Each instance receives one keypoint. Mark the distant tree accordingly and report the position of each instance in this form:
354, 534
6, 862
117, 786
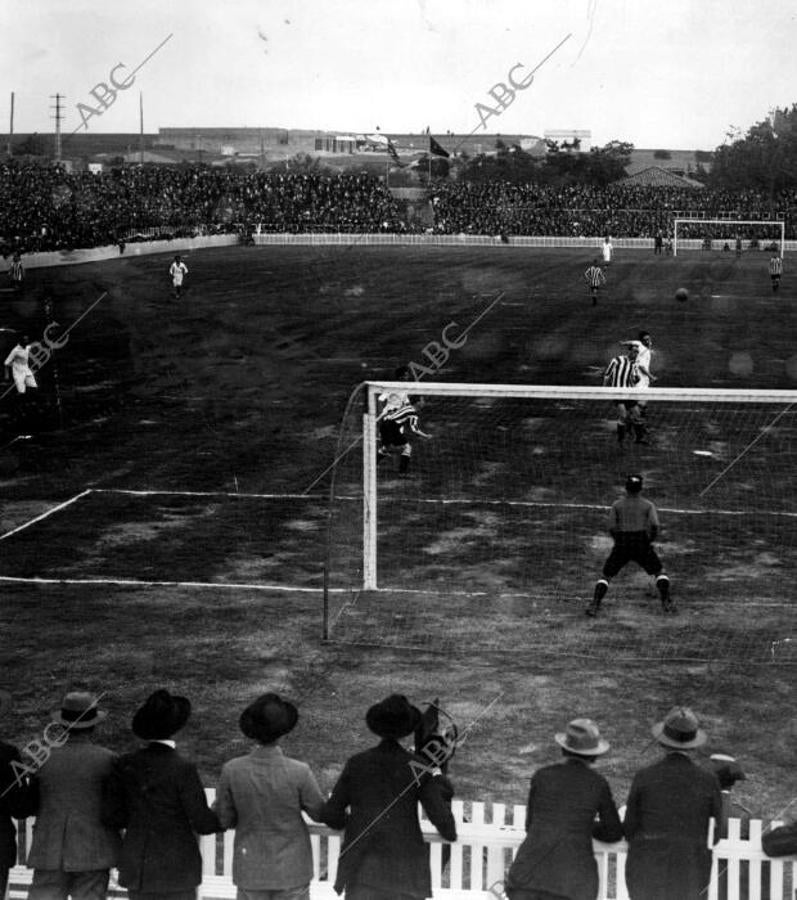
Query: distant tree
764, 159
301, 164
508, 164
601, 166
662, 154
33, 145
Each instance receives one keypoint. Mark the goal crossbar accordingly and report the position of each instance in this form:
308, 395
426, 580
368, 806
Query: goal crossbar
691, 220
579, 392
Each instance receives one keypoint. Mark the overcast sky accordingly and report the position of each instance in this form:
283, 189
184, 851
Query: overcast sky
674, 74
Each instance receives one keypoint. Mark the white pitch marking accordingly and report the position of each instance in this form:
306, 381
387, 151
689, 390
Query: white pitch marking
44, 515
133, 582
532, 504
155, 493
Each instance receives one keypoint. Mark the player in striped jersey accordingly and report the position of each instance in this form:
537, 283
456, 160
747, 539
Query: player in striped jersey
622, 372
775, 270
594, 278
398, 427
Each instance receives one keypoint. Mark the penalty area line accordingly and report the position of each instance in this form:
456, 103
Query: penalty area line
134, 582
233, 494
44, 515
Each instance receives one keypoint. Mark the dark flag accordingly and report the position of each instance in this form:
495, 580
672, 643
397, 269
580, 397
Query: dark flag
392, 151
436, 149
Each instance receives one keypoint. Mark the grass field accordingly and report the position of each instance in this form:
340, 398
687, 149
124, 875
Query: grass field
199, 430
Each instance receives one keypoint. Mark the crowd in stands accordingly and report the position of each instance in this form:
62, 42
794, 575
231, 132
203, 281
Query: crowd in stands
585, 211
140, 811
47, 208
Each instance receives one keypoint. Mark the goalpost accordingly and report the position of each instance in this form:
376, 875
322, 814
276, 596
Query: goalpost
730, 229
506, 505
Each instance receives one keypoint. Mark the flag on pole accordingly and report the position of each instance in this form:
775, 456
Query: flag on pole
437, 149
392, 151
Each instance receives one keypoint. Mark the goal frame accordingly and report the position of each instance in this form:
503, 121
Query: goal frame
370, 419
780, 223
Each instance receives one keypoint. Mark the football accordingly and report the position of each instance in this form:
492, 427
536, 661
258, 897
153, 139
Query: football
682, 294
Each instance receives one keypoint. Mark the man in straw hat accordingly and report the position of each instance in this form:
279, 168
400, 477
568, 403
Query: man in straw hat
383, 856
667, 817
73, 850
262, 796
16, 799
156, 795
556, 860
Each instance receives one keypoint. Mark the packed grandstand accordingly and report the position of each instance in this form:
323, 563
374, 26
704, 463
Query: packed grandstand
47, 208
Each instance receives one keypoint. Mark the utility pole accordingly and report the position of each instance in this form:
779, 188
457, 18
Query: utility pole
10, 126
58, 115
141, 128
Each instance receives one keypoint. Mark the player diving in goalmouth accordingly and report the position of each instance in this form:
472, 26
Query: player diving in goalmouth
398, 424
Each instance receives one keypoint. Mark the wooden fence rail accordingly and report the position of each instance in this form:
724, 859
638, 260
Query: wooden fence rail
489, 836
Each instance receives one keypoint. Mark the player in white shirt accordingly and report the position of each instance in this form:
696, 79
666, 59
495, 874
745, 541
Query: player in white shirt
18, 365
608, 251
178, 270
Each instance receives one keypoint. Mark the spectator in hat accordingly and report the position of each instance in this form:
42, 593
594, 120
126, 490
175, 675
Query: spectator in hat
156, 795
565, 799
667, 817
73, 850
383, 856
16, 799
262, 796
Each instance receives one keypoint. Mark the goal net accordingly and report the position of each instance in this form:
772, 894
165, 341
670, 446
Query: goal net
497, 532
728, 235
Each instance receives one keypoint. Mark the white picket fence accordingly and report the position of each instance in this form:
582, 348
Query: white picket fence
489, 837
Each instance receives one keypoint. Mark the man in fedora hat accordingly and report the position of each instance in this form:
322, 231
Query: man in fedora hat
667, 817
262, 796
16, 799
156, 795
556, 858
383, 856
73, 850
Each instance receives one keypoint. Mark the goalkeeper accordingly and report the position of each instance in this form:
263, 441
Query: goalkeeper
398, 427
634, 525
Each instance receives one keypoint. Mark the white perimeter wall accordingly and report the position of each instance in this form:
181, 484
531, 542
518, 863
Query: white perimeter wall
182, 245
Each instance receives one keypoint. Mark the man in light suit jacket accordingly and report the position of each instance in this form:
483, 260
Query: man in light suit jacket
384, 856
262, 796
73, 850
156, 795
667, 817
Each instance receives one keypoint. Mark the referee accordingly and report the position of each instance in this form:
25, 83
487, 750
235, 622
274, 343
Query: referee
634, 525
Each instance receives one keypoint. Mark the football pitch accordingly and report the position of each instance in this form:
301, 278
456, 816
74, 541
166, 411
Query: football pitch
166, 521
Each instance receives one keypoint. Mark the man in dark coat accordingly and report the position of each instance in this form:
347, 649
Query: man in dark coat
155, 793
16, 799
667, 817
73, 851
384, 856
556, 859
